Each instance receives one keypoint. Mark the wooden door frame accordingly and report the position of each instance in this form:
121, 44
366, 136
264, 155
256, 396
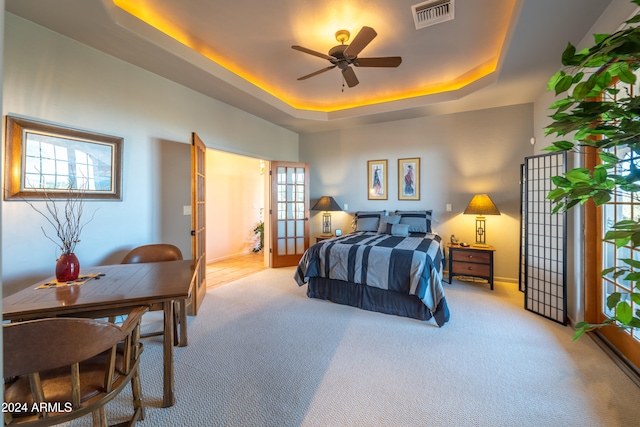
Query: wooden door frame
592, 248
618, 341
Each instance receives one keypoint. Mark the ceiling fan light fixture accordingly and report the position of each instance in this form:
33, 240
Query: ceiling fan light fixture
344, 55
342, 36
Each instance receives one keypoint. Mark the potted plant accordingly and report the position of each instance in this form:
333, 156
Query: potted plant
598, 122
259, 230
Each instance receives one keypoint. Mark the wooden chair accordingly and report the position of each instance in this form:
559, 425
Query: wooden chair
158, 252
59, 369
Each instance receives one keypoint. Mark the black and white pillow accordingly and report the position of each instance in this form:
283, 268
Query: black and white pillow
368, 220
418, 221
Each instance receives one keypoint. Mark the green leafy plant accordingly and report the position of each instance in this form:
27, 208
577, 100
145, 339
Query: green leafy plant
590, 114
259, 230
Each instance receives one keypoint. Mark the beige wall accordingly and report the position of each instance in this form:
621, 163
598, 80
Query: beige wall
461, 154
235, 195
53, 78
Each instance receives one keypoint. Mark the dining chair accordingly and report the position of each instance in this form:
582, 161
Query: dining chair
159, 252
155, 252
59, 369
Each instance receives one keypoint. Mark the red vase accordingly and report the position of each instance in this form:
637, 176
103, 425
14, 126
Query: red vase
67, 268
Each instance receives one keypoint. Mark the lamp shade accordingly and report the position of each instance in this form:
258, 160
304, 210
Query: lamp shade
481, 204
326, 203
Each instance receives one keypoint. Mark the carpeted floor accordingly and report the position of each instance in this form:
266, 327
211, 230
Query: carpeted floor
263, 354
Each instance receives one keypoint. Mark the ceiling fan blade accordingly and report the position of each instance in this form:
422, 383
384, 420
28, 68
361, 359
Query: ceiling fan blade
361, 40
350, 77
388, 61
312, 52
316, 73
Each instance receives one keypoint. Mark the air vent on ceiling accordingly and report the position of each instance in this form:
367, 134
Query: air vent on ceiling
432, 12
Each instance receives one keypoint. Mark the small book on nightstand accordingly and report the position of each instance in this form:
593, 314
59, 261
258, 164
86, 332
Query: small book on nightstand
480, 245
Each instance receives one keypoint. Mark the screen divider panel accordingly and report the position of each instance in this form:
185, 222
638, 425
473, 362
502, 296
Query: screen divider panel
521, 267
544, 239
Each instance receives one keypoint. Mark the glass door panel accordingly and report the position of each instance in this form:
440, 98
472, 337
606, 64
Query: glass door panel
623, 206
290, 188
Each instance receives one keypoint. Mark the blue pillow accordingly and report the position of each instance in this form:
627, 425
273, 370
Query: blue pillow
418, 221
368, 221
397, 230
385, 220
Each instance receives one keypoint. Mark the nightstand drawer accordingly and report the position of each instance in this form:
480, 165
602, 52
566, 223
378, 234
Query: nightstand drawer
471, 256
470, 269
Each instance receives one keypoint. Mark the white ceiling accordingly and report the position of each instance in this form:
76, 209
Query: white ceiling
497, 52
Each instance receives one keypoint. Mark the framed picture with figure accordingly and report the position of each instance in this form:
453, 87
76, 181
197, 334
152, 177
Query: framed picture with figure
377, 170
409, 179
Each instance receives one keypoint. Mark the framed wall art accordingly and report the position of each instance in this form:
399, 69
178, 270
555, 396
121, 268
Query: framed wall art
50, 161
409, 179
377, 170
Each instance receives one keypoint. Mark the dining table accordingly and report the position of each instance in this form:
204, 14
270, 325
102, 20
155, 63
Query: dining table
109, 290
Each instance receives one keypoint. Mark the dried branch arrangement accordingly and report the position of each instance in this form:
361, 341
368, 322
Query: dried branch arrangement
66, 220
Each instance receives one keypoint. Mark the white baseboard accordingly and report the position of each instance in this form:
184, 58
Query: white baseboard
510, 280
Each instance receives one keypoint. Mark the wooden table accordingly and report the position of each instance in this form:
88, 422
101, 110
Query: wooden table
122, 287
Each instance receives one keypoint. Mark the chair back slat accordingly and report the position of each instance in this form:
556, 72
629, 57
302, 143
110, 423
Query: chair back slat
110, 369
75, 385
36, 387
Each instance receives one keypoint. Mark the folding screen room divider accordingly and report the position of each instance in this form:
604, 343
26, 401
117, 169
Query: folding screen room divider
543, 240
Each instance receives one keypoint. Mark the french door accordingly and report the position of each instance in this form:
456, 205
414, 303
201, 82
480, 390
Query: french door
289, 212
622, 206
198, 239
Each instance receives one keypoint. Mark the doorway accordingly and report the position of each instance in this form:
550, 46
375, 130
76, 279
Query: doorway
236, 194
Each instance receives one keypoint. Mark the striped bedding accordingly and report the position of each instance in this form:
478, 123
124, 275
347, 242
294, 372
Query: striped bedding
408, 265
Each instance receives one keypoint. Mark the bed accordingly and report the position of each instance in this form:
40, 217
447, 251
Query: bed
386, 266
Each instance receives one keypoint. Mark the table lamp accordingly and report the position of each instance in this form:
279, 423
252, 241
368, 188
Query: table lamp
480, 205
326, 204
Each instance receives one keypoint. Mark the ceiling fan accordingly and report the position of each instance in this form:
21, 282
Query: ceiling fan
344, 55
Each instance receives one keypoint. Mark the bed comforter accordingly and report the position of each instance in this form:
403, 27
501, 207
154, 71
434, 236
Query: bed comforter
408, 265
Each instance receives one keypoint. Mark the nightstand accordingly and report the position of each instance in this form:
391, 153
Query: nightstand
470, 261
321, 238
